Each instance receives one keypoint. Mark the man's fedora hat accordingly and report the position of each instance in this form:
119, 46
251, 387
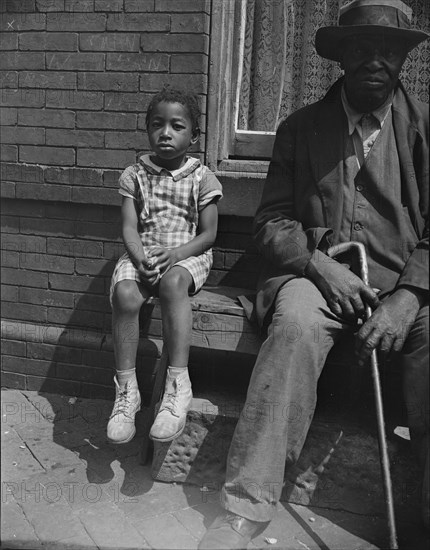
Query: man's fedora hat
380, 17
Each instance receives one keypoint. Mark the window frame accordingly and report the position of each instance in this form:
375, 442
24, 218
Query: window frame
227, 146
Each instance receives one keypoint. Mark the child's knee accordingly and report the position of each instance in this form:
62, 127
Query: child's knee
126, 297
176, 282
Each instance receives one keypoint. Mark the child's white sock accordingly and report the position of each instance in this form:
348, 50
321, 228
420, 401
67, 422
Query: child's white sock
175, 371
124, 376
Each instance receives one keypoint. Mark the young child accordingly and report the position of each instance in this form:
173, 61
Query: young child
169, 223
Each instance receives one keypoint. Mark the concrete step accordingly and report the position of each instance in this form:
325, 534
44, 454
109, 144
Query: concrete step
339, 466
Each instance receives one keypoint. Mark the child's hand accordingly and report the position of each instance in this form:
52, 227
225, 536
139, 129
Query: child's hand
149, 273
163, 258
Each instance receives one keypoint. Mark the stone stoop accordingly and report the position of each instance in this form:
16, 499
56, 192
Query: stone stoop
338, 468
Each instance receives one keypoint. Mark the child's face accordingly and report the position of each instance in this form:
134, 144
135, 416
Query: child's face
170, 134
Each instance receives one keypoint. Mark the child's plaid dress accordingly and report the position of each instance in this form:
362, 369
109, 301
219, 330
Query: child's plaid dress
169, 204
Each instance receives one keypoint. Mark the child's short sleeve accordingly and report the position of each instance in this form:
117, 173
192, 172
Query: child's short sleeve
128, 183
210, 188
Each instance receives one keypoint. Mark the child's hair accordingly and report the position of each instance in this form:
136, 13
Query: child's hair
172, 95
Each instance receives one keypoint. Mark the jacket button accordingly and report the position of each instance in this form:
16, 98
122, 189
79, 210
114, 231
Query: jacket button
359, 188
358, 226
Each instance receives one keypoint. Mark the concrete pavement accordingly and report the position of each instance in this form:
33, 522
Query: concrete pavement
65, 487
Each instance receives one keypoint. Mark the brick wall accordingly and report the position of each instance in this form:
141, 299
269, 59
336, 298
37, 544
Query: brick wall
76, 77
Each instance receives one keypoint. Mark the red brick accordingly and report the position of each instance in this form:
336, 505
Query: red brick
76, 22
189, 63
8, 41
9, 117
80, 213
97, 358
98, 230
75, 247
73, 176
46, 298
75, 138
153, 82
22, 22
91, 267
10, 223
78, 283
25, 312
9, 294
46, 118
127, 140
13, 380
117, 101
47, 79
8, 153
103, 158
196, 23
92, 302
85, 374
21, 172
170, 43
79, 5
108, 5
52, 385
182, 6
84, 319
91, 195
114, 121
21, 61
44, 41
21, 135
19, 5
13, 347
110, 178
121, 82
137, 62
8, 79
49, 5
25, 278
53, 353
22, 98
48, 192
28, 366
72, 99
138, 5
9, 258
109, 42
23, 243
75, 61
47, 262
138, 22
62, 156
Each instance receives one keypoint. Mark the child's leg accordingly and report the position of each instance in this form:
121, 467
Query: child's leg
177, 324
127, 300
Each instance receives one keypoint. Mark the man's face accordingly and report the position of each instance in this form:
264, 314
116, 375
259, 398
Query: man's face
372, 65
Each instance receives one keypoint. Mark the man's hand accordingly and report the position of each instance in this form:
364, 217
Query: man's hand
389, 324
345, 293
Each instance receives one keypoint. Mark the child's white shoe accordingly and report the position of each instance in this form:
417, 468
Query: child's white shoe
170, 421
121, 428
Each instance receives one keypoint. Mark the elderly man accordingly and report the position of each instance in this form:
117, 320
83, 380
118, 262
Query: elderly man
351, 167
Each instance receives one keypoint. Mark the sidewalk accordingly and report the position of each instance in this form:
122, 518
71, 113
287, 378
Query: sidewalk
65, 487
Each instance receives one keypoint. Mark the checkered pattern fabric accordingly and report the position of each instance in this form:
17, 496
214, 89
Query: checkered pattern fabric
169, 204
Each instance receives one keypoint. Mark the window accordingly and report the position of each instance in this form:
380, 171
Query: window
264, 66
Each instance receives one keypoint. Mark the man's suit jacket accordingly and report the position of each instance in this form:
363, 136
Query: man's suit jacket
302, 202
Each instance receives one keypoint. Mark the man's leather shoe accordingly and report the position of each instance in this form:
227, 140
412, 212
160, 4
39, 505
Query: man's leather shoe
230, 531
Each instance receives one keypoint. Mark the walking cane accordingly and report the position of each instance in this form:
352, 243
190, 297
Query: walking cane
382, 438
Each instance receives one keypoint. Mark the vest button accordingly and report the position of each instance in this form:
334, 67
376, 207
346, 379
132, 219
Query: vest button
358, 226
359, 187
